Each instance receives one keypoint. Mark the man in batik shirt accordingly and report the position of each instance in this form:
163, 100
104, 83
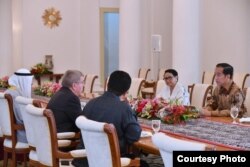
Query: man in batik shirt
226, 94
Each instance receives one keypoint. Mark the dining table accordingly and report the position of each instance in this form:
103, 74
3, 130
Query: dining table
218, 133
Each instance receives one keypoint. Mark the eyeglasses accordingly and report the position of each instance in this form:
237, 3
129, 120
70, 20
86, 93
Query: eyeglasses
167, 78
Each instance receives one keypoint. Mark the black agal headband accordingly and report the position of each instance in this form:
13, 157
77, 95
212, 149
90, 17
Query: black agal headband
23, 74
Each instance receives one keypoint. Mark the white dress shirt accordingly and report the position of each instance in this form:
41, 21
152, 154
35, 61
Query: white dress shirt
179, 92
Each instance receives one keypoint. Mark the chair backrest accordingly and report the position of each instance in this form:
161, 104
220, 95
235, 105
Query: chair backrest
240, 79
208, 77
45, 134
161, 73
160, 84
9, 128
89, 83
247, 102
22, 103
167, 145
143, 73
106, 84
1, 133
100, 136
7, 118
199, 94
135, 87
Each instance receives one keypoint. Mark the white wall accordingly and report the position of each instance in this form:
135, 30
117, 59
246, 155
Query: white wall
109, 3
225, 34
161, 23
5, 38
156, 19
90, 37
186, 43
62, 42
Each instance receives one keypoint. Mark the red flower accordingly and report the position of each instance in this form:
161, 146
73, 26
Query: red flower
171, 113
47, 89
4, 82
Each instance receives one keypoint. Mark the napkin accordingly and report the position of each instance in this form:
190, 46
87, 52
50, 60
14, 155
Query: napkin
244, 119
146, 133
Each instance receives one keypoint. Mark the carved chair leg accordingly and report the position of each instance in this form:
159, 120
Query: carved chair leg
13, 160
5, 159
25, 159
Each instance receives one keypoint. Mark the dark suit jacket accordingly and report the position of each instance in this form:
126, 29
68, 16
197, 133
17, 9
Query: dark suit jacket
66, 107
108, 108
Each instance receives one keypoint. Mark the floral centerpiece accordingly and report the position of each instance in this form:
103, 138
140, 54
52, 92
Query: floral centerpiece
148, 108
47, 89
40, 69
4, 82
171, 112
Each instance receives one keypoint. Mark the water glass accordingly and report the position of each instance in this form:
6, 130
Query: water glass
234, 112
156, 125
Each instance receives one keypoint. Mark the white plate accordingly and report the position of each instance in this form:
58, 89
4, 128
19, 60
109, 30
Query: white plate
245, 119
146, 133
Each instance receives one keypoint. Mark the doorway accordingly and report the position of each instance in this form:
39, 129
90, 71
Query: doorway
109, 47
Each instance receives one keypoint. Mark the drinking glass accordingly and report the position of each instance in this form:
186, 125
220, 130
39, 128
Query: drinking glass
234, 113
156, 124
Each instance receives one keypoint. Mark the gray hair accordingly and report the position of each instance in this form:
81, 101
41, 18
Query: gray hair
70, 77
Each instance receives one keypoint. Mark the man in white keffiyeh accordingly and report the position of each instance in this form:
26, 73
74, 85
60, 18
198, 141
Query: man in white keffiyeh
20, 85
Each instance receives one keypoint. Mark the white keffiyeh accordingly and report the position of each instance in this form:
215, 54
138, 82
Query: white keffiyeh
22, 80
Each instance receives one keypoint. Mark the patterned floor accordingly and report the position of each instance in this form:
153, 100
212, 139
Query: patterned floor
153, 160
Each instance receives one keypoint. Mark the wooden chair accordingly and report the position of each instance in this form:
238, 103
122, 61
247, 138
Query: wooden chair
208, 77
199, 94
161, 73
40, 103
106, 84
102, 145
1, 132
9, 129
22, 102
30, 131
167, 145
48, 153
89, 83
148, 89
153, 89
160, 84
135, 87
1, 144
143, 73
247, 101
240, 79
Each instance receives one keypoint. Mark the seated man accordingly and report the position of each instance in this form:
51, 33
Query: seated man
65, 103
20, 85
110, 108
226, 94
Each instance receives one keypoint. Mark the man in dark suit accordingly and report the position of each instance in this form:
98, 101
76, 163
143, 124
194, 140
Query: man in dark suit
110, 108
65, 104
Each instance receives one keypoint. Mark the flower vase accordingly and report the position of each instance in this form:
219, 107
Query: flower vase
49, 62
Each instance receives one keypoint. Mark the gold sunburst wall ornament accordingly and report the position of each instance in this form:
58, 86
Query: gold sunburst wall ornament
51, 17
